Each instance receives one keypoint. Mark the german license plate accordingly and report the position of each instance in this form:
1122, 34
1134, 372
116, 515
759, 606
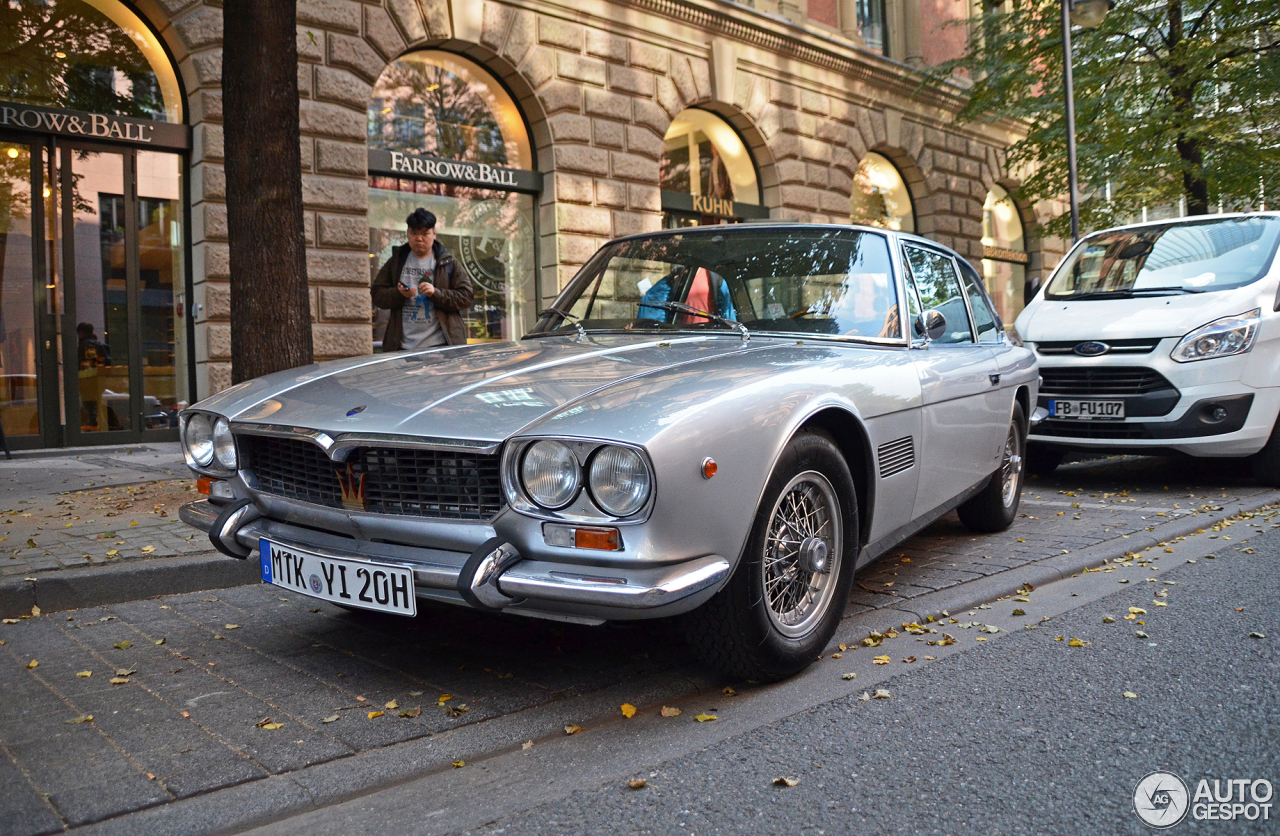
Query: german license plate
352, 583
1087, 410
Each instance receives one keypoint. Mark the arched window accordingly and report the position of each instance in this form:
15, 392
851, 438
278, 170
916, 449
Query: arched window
89, 55
445, 136
707, 174
442, 104
880, 196
1004, 263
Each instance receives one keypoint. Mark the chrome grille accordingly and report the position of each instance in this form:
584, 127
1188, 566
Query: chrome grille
1140, 346
429, 483
1100, 381
896, 456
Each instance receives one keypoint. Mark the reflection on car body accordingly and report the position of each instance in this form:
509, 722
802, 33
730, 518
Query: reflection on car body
718, 424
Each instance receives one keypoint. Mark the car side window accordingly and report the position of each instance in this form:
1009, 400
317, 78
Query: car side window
984, 316
939, 288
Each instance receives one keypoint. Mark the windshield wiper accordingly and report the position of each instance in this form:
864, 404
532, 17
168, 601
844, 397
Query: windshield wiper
690, 309
1127, 293
572, 318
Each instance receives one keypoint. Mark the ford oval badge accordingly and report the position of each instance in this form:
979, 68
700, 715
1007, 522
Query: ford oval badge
355, 411
1091, 349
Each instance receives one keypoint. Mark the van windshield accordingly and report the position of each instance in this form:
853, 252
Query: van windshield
1178, 257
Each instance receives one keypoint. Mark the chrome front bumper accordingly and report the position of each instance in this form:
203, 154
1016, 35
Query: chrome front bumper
525, 584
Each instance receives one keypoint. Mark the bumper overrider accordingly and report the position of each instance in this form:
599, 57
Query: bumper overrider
494, 576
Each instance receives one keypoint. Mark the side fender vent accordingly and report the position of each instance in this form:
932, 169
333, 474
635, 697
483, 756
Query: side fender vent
896, 456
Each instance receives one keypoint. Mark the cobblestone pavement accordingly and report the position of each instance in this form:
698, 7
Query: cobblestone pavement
67, 509
197, 692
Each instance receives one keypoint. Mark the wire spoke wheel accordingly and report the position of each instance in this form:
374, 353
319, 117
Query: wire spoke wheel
1011, 466
802, 552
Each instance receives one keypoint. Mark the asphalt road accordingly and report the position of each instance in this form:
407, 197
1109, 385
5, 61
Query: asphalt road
1021, 733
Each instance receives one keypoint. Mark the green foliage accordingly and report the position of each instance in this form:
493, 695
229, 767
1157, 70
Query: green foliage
1174, 99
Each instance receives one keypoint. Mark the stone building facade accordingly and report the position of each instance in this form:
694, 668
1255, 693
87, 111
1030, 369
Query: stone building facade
598, 84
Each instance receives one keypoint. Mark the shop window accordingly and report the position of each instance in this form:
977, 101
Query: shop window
429, 107
880, 196
89, 55
706, 173
1004, 263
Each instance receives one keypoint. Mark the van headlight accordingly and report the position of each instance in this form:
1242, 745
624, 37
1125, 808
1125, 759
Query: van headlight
1220, 338
550, 474
197, 440
619, 480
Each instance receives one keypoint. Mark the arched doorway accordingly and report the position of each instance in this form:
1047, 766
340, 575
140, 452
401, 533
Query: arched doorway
446, 136
707, 174
1004, 255
880, 196
94, 332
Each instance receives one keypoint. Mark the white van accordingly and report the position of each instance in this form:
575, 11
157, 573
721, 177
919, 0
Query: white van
1162, 337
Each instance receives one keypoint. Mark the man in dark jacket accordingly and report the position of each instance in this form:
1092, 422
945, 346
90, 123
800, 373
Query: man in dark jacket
425, 288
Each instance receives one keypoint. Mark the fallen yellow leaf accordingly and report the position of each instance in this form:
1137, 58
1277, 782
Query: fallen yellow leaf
881, 660
704, 718
670, 711
1129, 695
119, 680
528, 744
1137, 611
232, 626
1078, 643
392, 706
848, 676
881, 694
637, 783
273, 726
444, 698
410, 713
83, 718
373, 715
459, 764
785, 782
85, 674
32, 665
147, 549
628, 710
332, 718
729, 692
572, 728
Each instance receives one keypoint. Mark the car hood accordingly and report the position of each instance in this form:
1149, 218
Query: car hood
481, 392
1116, 319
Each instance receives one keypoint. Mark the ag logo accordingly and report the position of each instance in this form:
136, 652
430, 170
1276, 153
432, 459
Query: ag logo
1161, 800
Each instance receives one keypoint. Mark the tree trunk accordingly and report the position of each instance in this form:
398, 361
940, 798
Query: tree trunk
1183, 91
270, 306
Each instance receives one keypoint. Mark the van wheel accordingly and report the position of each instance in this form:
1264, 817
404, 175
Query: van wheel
995, 508
788, 592
1265, 464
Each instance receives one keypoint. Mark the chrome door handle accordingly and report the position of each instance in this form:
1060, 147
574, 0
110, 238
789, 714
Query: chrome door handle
995, 379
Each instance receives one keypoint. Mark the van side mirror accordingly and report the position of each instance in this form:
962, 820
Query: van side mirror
931, 324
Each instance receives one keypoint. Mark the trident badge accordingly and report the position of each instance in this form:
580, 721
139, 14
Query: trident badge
352, 488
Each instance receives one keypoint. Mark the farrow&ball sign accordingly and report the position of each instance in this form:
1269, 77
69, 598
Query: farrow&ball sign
462, 172
81, 125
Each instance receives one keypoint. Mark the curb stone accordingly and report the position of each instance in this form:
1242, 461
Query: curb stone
970, 594
95, 586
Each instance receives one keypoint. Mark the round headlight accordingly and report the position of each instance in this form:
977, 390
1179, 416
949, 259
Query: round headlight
224, 444
199, 439
619, 481
550, 474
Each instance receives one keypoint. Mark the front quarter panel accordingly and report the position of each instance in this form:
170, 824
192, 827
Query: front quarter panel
739, 410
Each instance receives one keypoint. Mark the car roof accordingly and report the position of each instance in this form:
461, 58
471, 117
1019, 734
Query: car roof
758, 226
1187, 219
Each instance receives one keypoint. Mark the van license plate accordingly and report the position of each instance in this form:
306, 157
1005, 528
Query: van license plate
1087, 410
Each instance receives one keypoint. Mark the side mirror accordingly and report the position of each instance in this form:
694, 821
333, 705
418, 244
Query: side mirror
931, 324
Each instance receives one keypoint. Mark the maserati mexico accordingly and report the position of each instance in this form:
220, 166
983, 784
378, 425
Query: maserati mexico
720, 424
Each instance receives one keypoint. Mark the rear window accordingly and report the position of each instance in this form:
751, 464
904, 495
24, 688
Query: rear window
1173, 258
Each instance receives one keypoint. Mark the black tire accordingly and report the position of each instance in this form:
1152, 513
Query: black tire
1265, 464
741, 631
996, 507
1041, 461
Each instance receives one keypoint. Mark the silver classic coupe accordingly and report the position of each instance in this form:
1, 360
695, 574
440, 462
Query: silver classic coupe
720, 424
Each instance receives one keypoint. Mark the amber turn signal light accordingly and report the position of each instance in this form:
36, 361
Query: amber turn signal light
203, 485
605, 539
709, 468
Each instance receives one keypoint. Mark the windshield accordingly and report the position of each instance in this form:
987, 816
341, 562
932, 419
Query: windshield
835, 282
1178, 257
